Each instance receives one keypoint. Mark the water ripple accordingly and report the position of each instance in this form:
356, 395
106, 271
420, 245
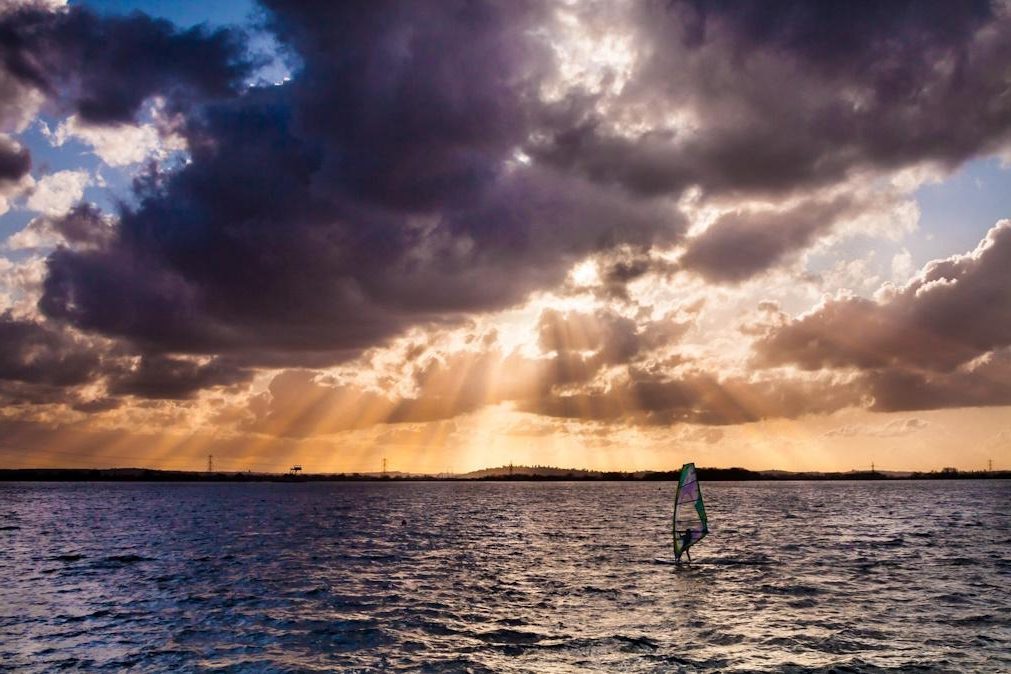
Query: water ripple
502, 577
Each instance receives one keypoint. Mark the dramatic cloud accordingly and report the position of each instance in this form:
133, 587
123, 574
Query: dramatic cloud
463, 209
740, 245
982, 383
772, 97
568, 382
164, 377
104, 68
393, 197
36, 354
955, 310
939, 341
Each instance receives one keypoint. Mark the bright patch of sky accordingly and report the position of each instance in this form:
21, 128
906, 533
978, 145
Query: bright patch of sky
957, 212
955, 215
109, 185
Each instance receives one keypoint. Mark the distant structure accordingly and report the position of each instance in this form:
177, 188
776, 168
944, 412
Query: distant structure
989, 465
384, 466
295, 470
210, 463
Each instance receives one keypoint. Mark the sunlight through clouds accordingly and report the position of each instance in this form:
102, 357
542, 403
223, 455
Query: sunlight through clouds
598, 234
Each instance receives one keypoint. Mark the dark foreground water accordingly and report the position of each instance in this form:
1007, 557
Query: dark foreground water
503, 577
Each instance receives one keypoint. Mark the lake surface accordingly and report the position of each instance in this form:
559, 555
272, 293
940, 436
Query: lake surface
503, 577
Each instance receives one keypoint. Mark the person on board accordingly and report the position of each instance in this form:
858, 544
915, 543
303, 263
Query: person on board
686, 540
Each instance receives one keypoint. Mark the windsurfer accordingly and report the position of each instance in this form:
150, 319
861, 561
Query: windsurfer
689, 525
686, 541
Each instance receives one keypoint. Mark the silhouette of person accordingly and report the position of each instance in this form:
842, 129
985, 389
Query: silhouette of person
686, 540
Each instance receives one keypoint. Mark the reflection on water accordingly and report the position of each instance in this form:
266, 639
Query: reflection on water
503, 577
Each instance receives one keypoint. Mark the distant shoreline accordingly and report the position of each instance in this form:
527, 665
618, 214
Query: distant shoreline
504, 474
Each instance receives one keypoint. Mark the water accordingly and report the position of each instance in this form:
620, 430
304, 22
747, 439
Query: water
503, 577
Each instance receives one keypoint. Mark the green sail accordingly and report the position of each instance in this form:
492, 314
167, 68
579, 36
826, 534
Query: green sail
690, 523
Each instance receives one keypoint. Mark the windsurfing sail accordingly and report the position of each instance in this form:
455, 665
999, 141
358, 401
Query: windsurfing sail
690, 523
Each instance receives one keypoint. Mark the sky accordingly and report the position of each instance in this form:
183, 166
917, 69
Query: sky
612, 235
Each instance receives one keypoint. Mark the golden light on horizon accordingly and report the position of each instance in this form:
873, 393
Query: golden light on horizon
592, 219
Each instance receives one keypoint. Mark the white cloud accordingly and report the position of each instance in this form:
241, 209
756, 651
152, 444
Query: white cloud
902, 266
21, 285
122, 144
58, 192
36, 234
891, 218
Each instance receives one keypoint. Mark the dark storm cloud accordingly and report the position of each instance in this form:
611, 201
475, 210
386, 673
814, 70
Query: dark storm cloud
414, 103
163, 377
837, 35
84, 225
105, 67
41, 363
375, 190
15, 161
984, 383
954, 311
740, 245
33, 353
788, 95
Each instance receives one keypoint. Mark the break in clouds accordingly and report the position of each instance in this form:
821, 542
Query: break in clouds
428, 164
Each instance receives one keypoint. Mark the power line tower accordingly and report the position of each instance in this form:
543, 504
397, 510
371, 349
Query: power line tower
384, 466
210, 463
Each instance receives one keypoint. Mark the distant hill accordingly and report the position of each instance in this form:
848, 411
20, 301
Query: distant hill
816, 475
532, 471
554, 473
502, 473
